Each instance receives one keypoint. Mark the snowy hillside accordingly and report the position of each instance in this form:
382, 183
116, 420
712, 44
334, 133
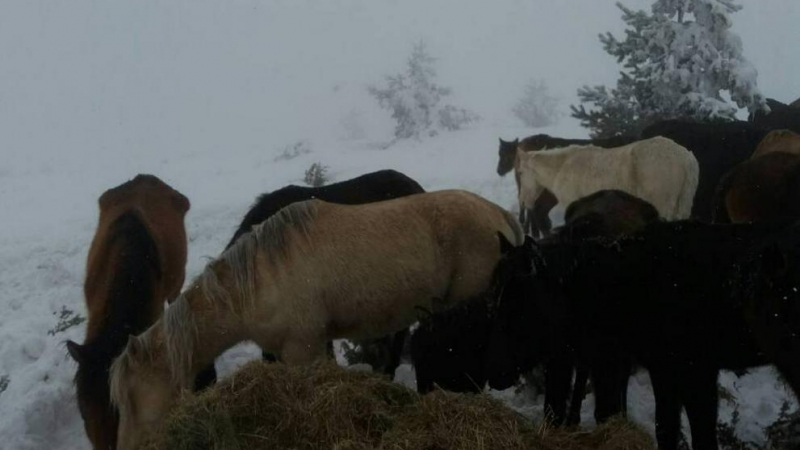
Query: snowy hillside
207, 95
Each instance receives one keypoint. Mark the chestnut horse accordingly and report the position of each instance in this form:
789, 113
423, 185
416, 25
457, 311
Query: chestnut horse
763, 189
778, 141
136, 262
313, 272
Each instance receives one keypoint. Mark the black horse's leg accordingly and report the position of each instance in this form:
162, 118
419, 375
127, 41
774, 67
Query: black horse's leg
701, 402
578, 393
608, 383
541, 212
557, 381
205, 378
668, 406
396, 352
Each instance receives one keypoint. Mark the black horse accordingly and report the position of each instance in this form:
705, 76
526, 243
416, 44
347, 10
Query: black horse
383, 353
670, 296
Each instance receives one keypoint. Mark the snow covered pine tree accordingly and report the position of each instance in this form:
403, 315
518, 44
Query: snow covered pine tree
677, 63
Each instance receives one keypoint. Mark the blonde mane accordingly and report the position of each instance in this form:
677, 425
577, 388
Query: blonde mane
179, 325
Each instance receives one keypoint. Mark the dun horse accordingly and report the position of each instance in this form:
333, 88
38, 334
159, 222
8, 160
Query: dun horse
656, 170
313, 272
136, 261
384, 353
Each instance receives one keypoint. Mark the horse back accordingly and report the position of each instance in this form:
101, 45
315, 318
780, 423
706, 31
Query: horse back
778, 141
371, 187
161, 210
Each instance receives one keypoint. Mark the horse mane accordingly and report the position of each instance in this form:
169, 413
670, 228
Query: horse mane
240, 260
136, 271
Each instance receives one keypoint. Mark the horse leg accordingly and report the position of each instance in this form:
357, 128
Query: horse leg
578, 394
541, 212
668, 407
557, 381
608, 382
701, 404
269, 357
396, 352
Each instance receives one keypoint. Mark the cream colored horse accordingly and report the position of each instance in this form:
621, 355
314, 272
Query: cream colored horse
657, 170
313, 272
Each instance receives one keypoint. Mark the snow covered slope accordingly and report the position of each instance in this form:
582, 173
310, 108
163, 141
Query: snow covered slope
206, 95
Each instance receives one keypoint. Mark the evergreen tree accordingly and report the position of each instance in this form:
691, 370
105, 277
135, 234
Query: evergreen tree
677, 62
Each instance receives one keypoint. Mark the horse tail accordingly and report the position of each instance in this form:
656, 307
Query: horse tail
691, 178
516, 231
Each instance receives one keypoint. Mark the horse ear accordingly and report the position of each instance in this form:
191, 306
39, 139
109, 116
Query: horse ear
515, 141
76, 351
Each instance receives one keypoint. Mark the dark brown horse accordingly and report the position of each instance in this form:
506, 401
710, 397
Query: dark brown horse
135, 263
778, 141
763, 189
535, 221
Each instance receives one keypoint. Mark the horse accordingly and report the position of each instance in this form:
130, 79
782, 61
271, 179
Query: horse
313, 272
780, 115
656, 170
778, 141
763, 189
535, 220
692, 324
607, 214
448, 348
385, 352
136, 262
717, 146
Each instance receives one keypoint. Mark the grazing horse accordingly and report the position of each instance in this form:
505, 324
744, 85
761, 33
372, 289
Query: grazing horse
448, 348
779, 116
671, 296
535, 220
763, 189
313, 272
136, 262
385, 352
656, 170
778, 141
717, 146
604, 214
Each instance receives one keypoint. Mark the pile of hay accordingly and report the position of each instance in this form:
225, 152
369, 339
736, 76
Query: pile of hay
273, 406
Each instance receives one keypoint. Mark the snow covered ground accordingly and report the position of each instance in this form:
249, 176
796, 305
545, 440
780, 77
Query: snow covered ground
207, 94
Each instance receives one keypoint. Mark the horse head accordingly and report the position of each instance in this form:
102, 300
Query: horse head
143, 391
513, 343
507, 151
91, 382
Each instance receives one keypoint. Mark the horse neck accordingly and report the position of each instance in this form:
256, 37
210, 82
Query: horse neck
545, 166
197, 329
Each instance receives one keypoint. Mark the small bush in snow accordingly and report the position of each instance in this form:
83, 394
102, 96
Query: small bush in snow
66, 320
4, 380
292, 151
415, 99
537, 108
316, 175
